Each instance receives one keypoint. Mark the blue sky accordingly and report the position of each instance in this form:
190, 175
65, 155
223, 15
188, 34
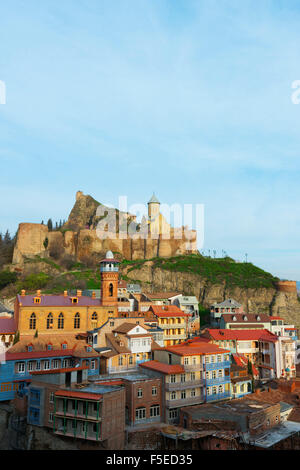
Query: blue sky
190, 99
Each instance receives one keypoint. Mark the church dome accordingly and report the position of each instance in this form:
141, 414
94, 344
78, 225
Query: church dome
109, 255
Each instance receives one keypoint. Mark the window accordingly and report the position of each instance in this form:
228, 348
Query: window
49, 321
214, 374
182, 378
112, 323
193, 392
220, 390
183, 394
186, 360
140, 392
60, 323
208, 391
55, 364
242, 387
172, 378
29, 348
30, 365
220, 373
21, 367
74, 300
50, 417
130, 360
193, 376
77, 320
207, 359
51, 397
140, 413
94, 320
214, 390
38, 366
46, 365
212, 358
173, 396
32, 321
49, 347
154, 411
120, 360
154, 391
64, 346
173, 414
219, 358
65, 363
93, 364
111, 290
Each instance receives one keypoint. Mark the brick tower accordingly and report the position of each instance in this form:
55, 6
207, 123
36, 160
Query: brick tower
109, 270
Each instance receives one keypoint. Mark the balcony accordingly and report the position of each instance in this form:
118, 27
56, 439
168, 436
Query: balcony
170, 326
185, 402
78, 415
218, 380
218, 396
184, 385
217, 365
192, 367
169, 337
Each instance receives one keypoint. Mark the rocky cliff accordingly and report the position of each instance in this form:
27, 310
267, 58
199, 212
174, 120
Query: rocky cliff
274, 299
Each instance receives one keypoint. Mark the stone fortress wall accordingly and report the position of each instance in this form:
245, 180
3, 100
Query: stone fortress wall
86, 241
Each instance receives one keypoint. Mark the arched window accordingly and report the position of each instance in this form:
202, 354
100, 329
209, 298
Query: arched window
77, 320
3, 338
32, 321
111, 289
60, 324
94, 320
49, 321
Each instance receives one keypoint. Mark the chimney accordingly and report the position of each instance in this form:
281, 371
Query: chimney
93, 295
22, 292
79, 292
257, 391
65, 293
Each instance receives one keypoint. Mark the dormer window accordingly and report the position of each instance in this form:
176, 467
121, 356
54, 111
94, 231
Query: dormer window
245, 318
121, 343
64, 346
88, 349
74, 300
49, 347
29, 348
37, 300
258, 318
234, 318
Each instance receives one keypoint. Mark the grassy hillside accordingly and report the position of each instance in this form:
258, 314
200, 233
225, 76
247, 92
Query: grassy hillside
53, 277
214, 270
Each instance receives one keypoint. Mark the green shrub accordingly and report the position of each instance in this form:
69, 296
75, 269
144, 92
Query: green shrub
6, 277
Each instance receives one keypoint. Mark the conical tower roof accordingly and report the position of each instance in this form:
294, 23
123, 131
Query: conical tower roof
154, 199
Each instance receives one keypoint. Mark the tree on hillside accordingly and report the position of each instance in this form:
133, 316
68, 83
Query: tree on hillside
50, 225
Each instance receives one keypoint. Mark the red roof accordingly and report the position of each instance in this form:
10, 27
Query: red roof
195, 348
164, 368
242, 361
57, 371
7, 326
168, 311
37, 354
241, 335
85, 396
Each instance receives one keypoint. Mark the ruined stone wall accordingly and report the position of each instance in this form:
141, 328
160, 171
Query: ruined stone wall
85, 242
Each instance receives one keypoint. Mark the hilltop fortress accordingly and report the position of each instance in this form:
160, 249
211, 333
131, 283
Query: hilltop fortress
81, 236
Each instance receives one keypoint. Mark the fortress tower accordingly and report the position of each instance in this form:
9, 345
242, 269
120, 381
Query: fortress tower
109, 270
153, 215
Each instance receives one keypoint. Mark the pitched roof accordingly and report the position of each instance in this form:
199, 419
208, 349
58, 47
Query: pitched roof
125, 327
161, 295
250, 317
74, 394
168, 311
154, 199
163, 368
195, 348
115, 343
7, 326
57, 301
241, 335
228, 303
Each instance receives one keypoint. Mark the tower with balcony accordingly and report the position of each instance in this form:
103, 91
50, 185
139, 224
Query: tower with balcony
109, 271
